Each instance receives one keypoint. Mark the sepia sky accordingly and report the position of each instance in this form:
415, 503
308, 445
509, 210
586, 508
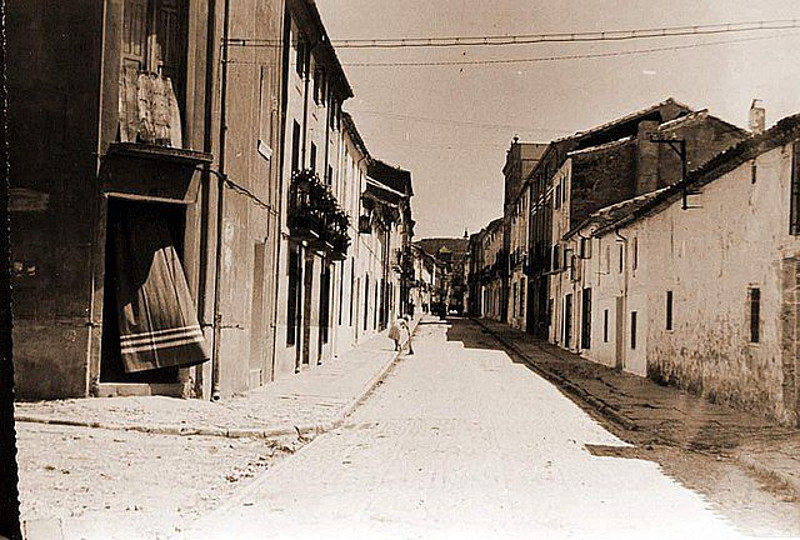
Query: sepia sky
451, 125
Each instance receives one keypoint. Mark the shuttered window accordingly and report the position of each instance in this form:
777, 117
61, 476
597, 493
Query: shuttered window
669, 310
754, 301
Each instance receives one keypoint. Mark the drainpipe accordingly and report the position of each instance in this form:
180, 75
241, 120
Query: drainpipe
282, 170
621, 365
208, 146
223, 129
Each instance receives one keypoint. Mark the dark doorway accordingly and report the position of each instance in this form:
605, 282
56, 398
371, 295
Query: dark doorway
568, 321
586, 320
111, 365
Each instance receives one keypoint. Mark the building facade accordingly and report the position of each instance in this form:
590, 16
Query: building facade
617, 160
110, 166
195, 231
695, 284
521, 159
489, 269
627, 169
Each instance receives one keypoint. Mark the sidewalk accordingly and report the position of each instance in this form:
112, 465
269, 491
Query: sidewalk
162, 462
654, 414
310, 402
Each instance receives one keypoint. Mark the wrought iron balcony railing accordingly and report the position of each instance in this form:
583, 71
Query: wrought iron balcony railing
316, 217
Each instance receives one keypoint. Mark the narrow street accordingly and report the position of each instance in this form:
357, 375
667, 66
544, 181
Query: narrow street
461, 440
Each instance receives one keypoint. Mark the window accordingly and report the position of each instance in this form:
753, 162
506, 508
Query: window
633, 330
605, 326
329, 176
319, 86
669, 310
621, 257
753, 172
755, 314
301, 62
556, 259
564, 189
333, 112
794, 226
154, 40
635, 252
586, 248
558, 196
313, 161
514, 300
522, 298
295, 146
550, 312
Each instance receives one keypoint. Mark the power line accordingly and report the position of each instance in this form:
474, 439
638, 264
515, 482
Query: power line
444, 121
564, 37
500, 61
528, 39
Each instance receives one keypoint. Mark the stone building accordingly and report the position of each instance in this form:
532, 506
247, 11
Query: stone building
611, 163
695, 284
591, 178
521, 159
314, 227
488, 271
192, 230
114, 167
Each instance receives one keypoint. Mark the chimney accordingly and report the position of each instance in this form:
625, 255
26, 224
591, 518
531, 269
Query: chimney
758, 117
646, 158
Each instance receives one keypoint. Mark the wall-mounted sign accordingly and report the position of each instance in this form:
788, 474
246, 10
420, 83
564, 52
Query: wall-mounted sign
265, 150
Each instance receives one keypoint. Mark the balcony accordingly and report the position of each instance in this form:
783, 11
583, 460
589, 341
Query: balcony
315, 216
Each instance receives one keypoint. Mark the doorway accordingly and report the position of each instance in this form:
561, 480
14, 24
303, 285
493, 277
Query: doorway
121, 212
568, 321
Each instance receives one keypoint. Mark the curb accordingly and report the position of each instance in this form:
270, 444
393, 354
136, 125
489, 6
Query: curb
596, 403
232, 433
792, 482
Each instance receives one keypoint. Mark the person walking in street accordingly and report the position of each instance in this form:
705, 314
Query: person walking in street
404, 323
396, 332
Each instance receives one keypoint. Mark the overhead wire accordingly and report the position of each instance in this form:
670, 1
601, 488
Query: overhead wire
564, 37
554, 58
529, 39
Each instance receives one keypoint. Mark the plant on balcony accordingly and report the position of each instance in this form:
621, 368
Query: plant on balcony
315, 215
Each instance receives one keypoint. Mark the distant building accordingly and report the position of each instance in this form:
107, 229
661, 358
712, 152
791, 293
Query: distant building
521, 159
452, 256
488, 272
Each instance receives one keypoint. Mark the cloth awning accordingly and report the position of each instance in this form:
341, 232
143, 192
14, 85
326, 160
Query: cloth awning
157, 319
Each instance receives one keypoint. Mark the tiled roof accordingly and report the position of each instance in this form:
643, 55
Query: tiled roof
785, 131
394, 177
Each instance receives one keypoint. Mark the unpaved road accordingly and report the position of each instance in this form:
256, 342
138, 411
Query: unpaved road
461, 440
